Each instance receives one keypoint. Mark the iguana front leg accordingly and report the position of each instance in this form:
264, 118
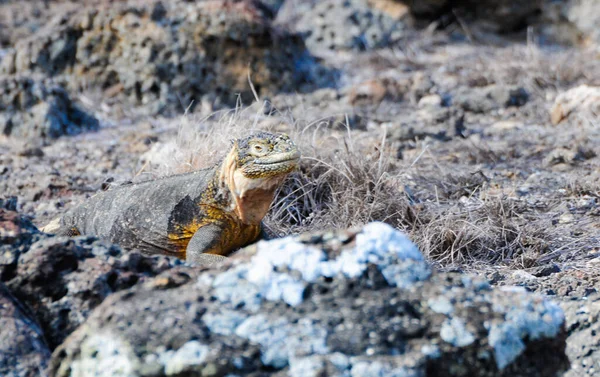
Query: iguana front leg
203, 247
211, 242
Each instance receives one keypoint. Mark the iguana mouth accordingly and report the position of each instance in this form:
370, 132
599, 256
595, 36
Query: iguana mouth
272, 166
278, 158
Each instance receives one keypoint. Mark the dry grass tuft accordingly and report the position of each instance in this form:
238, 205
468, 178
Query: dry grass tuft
348, 178
339, 185
483, 232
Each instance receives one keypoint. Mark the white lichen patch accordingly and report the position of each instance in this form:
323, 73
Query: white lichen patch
284, 287
281, 341
529, 318
339, 360
243, 286
455, 332
379, 239
285, 252
105, 355
224, 322
290, 253
398, 258
188, 357
233, 287
478, 284
431, 351
313, 366
380, 369
441, 305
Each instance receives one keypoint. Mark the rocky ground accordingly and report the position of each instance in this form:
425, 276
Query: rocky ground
471, 126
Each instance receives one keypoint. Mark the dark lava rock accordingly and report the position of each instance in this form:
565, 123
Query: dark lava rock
23, 351
546, 270
272, 5
373, 92
9, 203
583, 344
17, 233
502, 16
442, 123
63, 279
33, 108
494, 15
488, 98
346, 25
429, 8
569, 283
166, 56
351, 303
19, 19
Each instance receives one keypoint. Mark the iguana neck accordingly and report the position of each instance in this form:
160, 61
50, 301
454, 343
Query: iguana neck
248, 199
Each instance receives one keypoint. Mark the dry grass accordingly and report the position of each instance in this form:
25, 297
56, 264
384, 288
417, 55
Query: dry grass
339, 184
483, 231
348, 178
451, 198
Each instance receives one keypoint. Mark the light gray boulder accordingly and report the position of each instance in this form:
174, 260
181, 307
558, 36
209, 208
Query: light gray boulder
346, 303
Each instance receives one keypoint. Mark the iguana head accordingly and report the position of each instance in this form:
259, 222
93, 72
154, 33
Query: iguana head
265, 155
253, 170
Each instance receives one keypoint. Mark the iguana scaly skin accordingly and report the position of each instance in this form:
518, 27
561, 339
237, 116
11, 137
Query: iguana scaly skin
201, 216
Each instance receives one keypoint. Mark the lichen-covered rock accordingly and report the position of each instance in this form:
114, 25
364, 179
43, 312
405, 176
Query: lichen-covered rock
431, 121
581, 102
17, 233
488, 98
165, 56
63, 279
19, 19
577, 293
34, 108
550, 280
23, 351
585, 16
583, 344
573, 21
347, 25
349, 303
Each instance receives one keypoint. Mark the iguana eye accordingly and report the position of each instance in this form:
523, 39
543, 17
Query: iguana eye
259, 149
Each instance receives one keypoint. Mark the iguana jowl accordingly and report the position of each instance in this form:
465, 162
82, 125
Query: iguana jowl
201, 216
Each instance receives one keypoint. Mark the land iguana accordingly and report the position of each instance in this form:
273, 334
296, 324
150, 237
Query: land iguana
201, 216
